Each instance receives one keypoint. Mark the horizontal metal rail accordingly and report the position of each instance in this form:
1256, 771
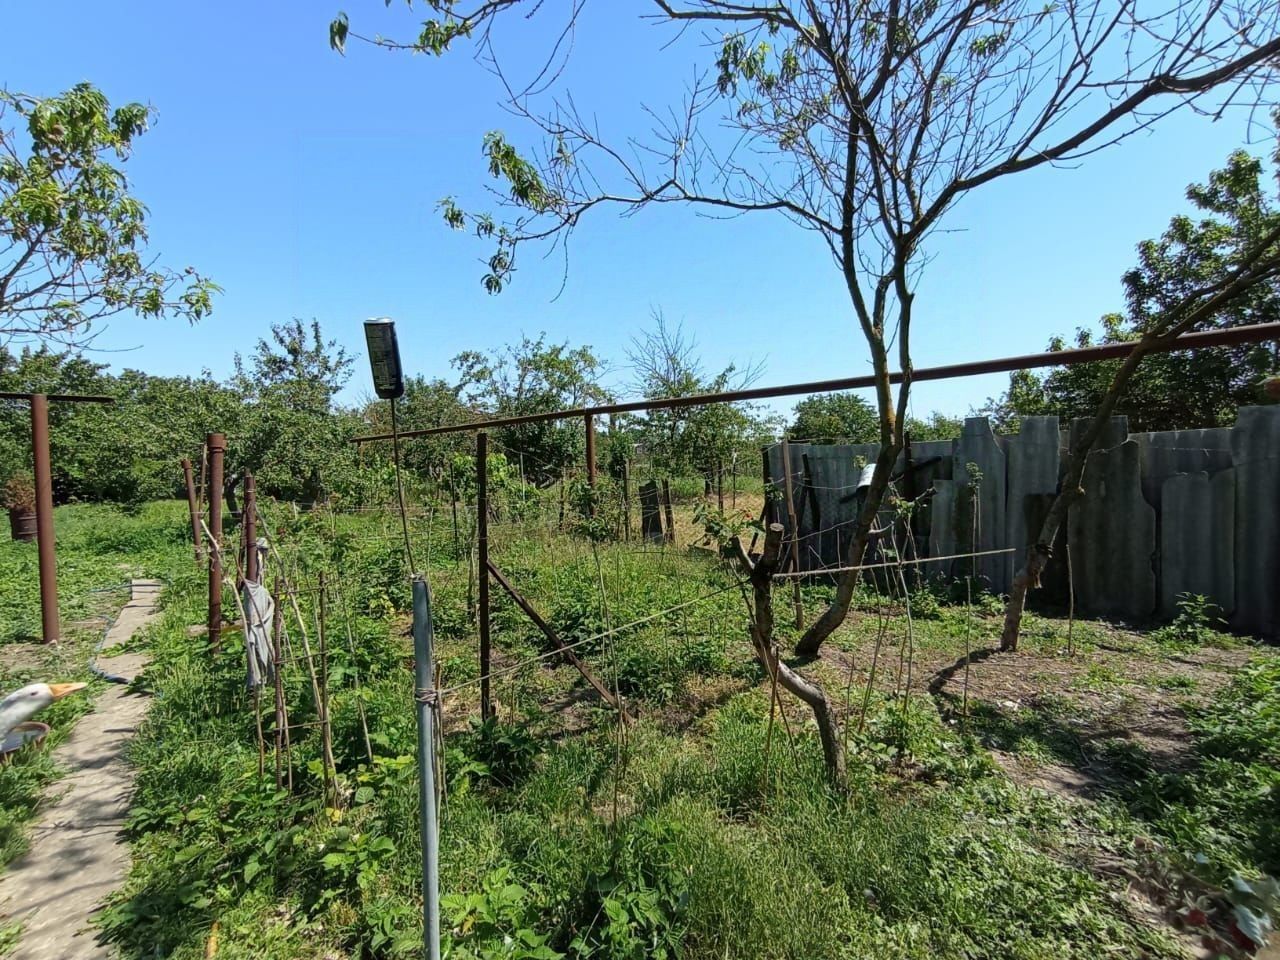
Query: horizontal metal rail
59, 397
1233, 336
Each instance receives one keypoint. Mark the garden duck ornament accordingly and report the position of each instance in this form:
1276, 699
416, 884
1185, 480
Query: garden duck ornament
21, 705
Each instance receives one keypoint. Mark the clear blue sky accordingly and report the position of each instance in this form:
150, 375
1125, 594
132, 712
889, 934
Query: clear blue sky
304, 183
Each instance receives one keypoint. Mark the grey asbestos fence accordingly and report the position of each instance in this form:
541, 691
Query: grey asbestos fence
1182, 511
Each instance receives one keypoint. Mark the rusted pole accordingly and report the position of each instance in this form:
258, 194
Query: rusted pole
217, 447
44, 518
556, 642
482, 547
795, 530
197, 536
249, 526
590, 422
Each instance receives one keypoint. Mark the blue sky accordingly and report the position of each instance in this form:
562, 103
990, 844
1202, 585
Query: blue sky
305, 183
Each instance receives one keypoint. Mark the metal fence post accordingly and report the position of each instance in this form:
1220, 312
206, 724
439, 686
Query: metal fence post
425, 703
44, 518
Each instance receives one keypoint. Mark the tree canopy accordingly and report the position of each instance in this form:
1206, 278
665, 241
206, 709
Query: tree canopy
73, 239
1233, 212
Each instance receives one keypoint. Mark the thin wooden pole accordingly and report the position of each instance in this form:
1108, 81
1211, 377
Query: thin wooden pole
667, 509
326, 730
217, 447
197, 535
626, 499
482, 564
795, 530
249, 526
277, 639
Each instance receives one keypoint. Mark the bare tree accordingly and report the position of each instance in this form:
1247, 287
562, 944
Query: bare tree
863, 122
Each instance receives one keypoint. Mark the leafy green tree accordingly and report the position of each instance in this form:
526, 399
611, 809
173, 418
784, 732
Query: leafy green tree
426, 403
693, 440
936, 426
1187, 390
534, 376
289, 432
127, 451
73, 239
835, 418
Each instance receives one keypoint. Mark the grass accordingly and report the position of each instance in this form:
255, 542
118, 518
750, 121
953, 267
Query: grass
706, 830
99, 548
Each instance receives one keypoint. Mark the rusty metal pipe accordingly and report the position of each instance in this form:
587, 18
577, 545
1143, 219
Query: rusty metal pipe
590, 421
45, 541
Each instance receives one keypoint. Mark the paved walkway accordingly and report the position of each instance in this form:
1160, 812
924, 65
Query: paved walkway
77, 856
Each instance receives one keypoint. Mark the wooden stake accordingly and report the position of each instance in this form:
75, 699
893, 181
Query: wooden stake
326, 730
277, 629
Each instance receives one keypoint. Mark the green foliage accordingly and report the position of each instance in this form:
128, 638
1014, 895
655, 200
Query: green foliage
698, 439
835, 418
1201, 388
1196, 625
495, 923
1219, 815
75, 238
99, 547
534, 377
503, 755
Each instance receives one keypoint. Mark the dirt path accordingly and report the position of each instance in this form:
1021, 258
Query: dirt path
77, 856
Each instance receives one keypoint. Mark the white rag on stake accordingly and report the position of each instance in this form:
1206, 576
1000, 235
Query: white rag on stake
259, 612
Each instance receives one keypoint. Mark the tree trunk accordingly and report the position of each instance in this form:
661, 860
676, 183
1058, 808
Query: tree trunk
812, 639
761, 574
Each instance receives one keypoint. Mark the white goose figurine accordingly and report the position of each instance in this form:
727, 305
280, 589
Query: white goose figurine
22, 705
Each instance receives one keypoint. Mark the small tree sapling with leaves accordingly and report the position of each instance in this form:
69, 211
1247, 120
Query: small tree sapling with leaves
865, 124
73, 239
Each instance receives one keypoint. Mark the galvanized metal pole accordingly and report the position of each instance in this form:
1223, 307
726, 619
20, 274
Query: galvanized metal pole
217, 446
45, 542
424, 697
482, 562
197, 535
